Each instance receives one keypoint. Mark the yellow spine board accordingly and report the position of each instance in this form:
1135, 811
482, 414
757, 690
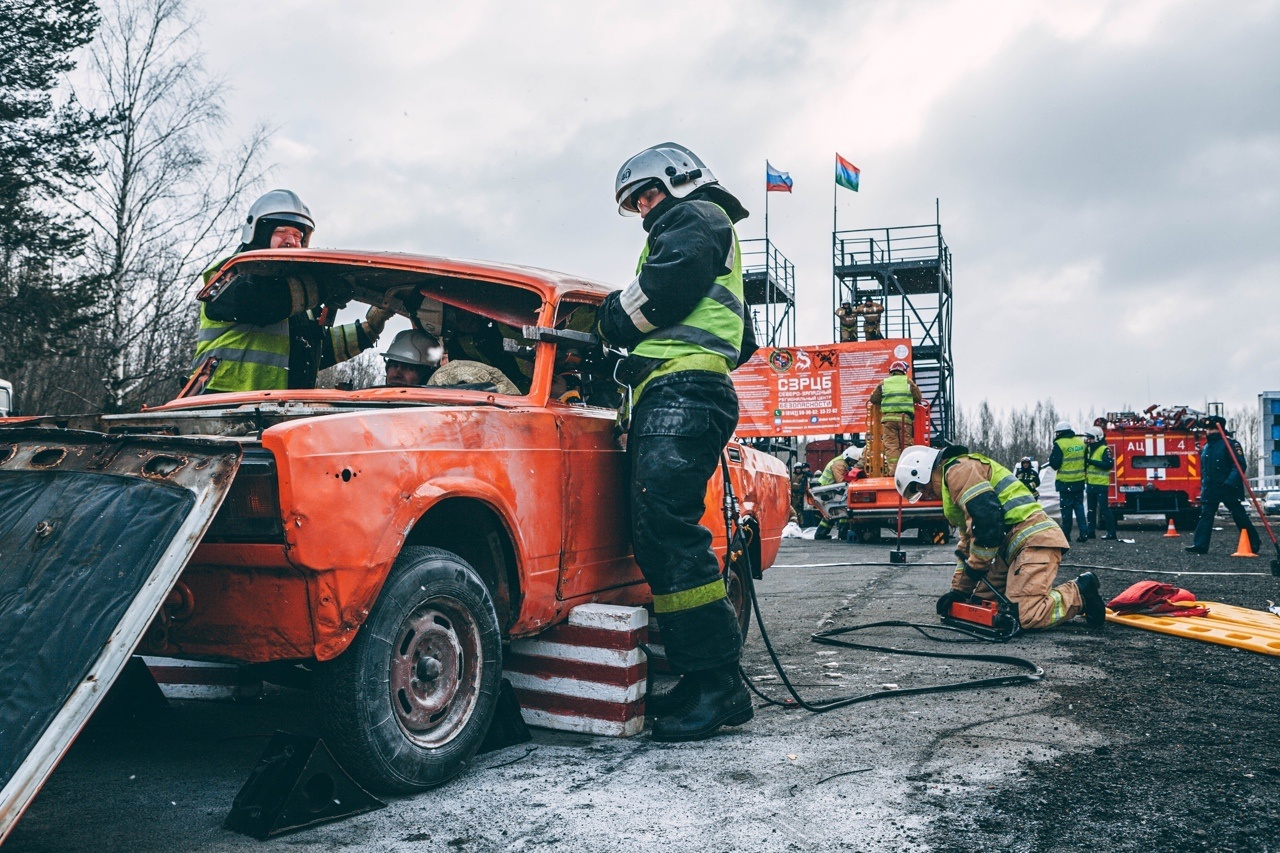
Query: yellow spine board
1226, 625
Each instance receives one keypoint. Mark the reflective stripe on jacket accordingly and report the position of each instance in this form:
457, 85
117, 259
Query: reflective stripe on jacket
895, 395
1099, 474
253, 358
1021, 513
1071, 470
713, 327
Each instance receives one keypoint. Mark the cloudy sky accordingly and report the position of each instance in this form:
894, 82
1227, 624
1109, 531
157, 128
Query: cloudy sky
1108, 173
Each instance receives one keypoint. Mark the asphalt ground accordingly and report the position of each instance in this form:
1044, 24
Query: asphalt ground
1132, 741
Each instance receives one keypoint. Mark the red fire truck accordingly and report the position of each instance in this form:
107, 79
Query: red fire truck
1157, 470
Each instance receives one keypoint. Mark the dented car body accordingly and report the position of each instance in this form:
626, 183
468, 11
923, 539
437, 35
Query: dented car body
336, 489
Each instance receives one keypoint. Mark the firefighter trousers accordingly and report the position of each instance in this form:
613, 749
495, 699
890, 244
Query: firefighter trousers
1028, 583
1071, 505
1100, 514
679, 428
896, 433
1209, 502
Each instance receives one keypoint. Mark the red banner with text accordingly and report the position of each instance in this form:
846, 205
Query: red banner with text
812, 390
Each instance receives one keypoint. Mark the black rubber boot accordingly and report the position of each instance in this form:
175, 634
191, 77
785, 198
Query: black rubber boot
719, 699
663, 704
1095, 611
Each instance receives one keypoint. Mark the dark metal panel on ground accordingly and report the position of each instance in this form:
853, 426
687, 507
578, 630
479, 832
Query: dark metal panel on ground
94, 531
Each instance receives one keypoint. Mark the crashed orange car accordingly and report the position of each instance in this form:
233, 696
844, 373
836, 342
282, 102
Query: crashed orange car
386, 542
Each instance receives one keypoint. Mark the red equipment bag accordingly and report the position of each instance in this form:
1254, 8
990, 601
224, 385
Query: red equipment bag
1154, 597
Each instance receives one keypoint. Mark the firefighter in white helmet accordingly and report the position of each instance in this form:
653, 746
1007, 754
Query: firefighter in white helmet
838, 470
260, 333
1005, 536
684, 321
411, 359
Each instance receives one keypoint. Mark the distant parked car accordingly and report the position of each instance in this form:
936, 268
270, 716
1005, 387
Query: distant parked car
1271, 503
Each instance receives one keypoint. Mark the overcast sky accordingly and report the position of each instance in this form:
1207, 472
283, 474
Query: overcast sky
1107, 172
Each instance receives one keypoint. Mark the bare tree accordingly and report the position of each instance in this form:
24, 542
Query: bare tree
165, 204
1246, 425
363, 371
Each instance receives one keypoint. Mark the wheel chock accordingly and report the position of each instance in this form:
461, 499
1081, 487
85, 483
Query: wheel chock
508, 727
297, 783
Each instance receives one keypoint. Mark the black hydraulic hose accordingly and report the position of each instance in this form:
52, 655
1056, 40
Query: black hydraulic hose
1033, 674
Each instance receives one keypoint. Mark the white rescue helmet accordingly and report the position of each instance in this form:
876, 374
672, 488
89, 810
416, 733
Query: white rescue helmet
678, 169
414, 347
282, 207
1062, 426
914, 471
852, 454
1095, 433
898, 367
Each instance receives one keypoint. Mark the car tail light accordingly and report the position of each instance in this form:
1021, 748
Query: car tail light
251, 510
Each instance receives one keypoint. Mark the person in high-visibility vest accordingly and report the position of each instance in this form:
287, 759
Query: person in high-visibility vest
262, 333
1004, 536
896, 396
1067, 459
841, 469
1098, 463
684, 321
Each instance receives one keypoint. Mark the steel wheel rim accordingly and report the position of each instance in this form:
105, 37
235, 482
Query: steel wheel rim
435, 672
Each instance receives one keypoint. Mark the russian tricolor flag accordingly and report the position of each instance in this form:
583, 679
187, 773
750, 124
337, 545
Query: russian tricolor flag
775, 181
847, 174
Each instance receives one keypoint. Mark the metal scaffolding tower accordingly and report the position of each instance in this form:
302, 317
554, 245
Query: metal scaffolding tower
769, 284
908, 271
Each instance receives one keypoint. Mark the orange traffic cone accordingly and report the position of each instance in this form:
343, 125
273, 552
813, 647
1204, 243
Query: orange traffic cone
1171, 530
1245, 548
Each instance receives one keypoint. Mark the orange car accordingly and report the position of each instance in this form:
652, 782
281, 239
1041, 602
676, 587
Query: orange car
390, 539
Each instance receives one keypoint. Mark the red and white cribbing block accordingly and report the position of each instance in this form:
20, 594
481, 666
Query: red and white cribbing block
586, 675
189, 679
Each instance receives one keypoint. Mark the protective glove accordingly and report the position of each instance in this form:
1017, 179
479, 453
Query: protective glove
944, 603
376, 319
976, 568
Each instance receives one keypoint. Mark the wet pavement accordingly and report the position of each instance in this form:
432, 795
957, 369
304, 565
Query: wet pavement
1133, 741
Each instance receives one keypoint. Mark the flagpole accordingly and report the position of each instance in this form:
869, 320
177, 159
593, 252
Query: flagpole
835, 190
766, 205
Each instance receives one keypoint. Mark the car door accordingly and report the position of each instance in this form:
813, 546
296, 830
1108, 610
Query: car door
596, 553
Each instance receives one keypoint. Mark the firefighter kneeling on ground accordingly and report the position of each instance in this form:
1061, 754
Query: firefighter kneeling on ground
841, 469
1005, 536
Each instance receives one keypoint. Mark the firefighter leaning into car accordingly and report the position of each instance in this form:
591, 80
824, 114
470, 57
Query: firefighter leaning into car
1004, 536
262, 334
1220, 483
837, 471
682, 319
1098, 463
897, 397
412, 358
1067, 460
1029, 476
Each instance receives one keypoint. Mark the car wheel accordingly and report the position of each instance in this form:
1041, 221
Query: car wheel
1187, 520
406, 706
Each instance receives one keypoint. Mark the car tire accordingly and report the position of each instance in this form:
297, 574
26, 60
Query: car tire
740, 598
1186, 520
407, 705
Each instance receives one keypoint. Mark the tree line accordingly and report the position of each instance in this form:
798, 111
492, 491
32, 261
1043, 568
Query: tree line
1008, 436
118, 186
